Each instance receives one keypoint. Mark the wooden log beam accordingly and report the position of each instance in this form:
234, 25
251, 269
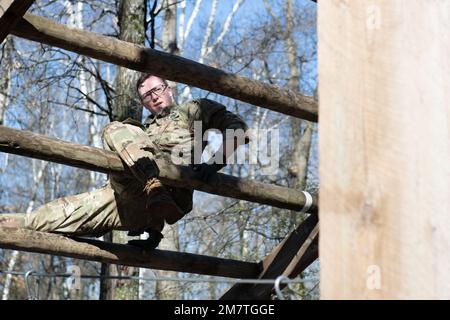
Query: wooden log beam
384, 149
94, 250
293, 255
168, 66
38, 146
11, 12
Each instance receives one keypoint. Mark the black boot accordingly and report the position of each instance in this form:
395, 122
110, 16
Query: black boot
154, 238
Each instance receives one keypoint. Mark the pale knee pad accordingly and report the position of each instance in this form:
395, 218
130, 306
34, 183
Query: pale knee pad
134, 148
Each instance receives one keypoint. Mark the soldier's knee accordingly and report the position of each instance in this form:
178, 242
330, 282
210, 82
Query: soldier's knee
125, 128
107, 134
116, 134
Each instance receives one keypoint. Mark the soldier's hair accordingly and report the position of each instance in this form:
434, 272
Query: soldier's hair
144, 77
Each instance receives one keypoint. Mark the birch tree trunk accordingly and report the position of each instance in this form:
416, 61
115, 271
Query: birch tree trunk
5, 83
37, 176
5, 88
74, 9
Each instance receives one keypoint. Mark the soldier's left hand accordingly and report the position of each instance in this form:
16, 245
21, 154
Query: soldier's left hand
205, 171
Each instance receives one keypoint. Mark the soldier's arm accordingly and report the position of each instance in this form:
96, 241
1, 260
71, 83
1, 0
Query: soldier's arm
215, 116
234, 130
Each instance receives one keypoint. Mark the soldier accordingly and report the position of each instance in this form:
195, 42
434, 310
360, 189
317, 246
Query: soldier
138, 201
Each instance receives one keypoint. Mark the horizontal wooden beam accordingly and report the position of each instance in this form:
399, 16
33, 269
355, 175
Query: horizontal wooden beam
11, 11
168, 66
38, 146
293, 255
94, 250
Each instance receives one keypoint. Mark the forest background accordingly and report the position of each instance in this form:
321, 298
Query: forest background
61, 94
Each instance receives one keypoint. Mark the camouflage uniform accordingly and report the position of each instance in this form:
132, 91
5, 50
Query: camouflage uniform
127, 202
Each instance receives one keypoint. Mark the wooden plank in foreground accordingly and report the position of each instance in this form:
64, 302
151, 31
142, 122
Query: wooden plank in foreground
384, 87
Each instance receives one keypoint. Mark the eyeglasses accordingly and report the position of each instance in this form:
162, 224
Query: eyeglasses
157, 91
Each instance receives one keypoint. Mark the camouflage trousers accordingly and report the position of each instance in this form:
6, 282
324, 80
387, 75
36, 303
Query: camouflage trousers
124, 203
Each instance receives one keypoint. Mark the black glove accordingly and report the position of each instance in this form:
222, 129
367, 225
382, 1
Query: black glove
154, 238
205, 171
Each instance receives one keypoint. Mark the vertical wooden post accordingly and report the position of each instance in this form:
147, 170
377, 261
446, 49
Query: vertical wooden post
384, 88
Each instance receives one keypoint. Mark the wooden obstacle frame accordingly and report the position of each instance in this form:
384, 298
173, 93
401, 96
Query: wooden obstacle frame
295, 253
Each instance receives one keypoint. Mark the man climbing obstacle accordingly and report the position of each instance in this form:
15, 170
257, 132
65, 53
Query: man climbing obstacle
138, 201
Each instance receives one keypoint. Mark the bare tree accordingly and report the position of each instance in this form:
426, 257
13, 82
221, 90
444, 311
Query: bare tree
5, 79
131, 14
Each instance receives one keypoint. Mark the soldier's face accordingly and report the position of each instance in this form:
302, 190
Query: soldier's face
155, 95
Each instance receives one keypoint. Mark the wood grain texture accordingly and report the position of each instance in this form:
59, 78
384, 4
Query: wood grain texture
94, 250
166, 65
38, 146
384, 87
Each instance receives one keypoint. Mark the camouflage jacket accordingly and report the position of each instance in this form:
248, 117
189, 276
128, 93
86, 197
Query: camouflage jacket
173, 135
